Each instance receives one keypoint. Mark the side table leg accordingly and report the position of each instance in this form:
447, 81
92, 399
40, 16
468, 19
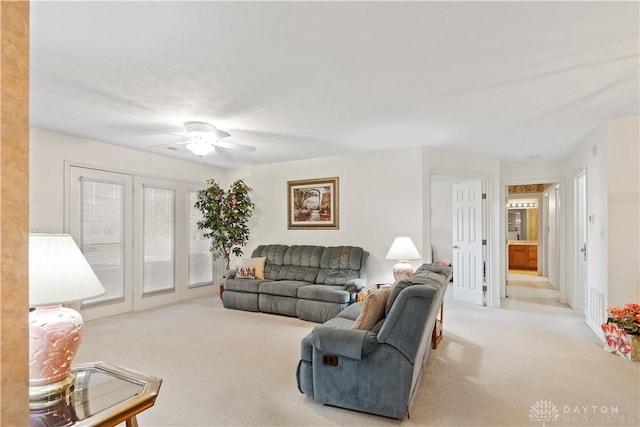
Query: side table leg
132, 422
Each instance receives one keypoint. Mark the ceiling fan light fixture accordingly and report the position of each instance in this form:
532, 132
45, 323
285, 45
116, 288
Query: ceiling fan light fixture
200, 147
200, 129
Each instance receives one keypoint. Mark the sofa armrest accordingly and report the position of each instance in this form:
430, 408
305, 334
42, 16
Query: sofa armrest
355, 285
352, 343
230, 274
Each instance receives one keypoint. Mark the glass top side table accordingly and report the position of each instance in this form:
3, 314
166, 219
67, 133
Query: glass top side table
101, 395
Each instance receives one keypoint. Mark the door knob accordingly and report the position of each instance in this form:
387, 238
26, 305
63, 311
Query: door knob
456, 247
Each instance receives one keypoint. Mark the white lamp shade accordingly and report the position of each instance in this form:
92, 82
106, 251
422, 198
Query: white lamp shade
59, 272
403, 249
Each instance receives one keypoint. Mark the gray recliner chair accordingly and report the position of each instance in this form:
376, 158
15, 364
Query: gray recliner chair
376, 371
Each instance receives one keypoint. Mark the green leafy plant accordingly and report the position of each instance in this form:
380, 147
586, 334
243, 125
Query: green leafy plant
225, 217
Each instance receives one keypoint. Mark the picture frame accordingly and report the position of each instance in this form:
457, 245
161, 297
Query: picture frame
313, 204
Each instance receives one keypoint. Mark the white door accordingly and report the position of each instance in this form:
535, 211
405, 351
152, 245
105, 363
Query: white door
100, 221
578, 297
552, 236
467, 242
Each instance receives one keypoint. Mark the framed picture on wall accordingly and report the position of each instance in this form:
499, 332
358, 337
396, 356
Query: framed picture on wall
313, 203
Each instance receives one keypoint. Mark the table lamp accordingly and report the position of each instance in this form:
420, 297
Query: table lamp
58, 273
403, 250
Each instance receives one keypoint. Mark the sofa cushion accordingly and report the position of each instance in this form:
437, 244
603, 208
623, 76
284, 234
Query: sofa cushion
286, 288
339, 265
352, 312
342, 257
373, 309
273, 253
294, 272
335, 277
324, 293
303, 255
242, 285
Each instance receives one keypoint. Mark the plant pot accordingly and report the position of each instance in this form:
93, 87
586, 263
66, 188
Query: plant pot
635, 347
619, 342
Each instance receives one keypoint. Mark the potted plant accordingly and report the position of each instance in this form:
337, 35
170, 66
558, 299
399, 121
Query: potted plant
225, 217
622, 331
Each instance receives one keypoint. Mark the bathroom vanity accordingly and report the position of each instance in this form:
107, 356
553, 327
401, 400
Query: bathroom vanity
523, 255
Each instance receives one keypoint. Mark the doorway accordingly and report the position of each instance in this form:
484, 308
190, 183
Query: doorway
458, 233
532, 240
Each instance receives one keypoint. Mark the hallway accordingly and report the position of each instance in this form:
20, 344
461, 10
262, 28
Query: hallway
530, 292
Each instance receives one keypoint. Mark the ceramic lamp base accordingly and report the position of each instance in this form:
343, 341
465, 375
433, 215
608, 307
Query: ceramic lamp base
54, 337
402, 270
50, 394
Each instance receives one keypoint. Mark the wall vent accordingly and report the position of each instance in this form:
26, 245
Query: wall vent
596, 312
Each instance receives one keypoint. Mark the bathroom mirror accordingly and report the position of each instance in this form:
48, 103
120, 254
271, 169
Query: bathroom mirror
522, 224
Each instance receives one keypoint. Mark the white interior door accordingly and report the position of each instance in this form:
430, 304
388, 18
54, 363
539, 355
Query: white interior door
100, 222
467, 242
578, 298
552, 236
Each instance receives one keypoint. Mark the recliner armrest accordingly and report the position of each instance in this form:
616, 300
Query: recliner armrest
352, 343
354, 285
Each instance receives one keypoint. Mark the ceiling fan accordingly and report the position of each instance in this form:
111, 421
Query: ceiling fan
203, 138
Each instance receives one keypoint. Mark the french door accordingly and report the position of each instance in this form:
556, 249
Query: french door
140, 236
101, 223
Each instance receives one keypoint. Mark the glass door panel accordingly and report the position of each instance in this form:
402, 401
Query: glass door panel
100, 221
102, 235
200, 258
159, 242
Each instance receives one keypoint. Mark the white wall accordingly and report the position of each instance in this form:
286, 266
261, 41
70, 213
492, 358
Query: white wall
534, 171
596, 164
623, 220
383, 194
50, 150
381, 197
611, 157
441, 215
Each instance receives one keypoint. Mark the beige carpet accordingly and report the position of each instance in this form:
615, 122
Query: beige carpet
528, 284
224, 367
524, 272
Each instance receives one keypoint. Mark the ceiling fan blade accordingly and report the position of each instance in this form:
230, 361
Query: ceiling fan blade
235, 146
169, 144
221, 134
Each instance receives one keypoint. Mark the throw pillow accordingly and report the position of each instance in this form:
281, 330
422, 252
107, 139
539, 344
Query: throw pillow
372, 309
245, 272
257, 263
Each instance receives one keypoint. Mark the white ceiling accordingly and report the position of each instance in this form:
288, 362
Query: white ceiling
310, 79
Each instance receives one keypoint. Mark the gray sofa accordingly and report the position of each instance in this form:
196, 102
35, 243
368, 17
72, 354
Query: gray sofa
376, 371
312, 283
